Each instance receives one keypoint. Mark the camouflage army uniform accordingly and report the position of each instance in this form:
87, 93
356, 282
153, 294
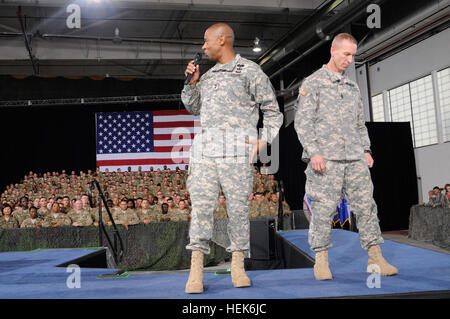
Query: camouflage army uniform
227, 99
437, 200
253, 209
329, 121
21, 214
51, 219
184, 214
157, 209
273, 209
43, 212
83, 217
11, 222
221, 212
129, 216
446, 201
94, 214
174, 215
32, 223
144, 214
259, 209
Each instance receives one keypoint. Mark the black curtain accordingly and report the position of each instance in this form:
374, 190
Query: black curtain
394, 173
36, 88
47, 139
292, 168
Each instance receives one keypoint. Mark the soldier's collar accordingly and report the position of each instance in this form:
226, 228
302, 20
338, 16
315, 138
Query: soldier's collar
334, 77
227, 66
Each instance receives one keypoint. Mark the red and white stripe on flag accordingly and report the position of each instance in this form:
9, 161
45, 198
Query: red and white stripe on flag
146, 139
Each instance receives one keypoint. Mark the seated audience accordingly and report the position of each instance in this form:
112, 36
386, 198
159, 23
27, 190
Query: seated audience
80, 216
7, 220
146, 213
33, 221
146, 192
125, 215
435, 198
55, 218
221, 211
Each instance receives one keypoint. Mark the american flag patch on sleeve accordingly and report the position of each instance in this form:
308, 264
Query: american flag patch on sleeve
302, 91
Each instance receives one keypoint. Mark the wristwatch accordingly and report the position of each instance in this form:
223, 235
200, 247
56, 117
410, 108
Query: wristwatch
368, 151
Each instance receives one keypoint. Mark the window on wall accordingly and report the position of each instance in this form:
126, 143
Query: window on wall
443, 78
400, 104
414, 102
377, 108
423, 113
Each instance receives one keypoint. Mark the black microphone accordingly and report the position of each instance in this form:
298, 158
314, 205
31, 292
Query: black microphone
197, 59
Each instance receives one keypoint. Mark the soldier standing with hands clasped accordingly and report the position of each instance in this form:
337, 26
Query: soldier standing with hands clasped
227, 98
330, 125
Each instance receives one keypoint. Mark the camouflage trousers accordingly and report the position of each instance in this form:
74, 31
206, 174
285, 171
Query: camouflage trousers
206, 178
324, 191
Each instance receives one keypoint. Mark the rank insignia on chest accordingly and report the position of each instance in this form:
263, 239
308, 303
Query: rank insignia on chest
239, 68
302, 91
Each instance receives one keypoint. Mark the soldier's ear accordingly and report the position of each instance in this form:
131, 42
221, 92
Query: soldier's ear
221, 40
332, 51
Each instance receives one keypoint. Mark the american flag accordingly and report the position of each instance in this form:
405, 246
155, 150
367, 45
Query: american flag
146, 139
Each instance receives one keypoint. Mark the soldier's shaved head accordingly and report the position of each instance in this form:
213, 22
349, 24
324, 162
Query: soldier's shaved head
343, 50
337, 40
219, 40
222, 29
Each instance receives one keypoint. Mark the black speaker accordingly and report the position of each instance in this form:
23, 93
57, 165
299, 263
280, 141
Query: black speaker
299, 220
262, 239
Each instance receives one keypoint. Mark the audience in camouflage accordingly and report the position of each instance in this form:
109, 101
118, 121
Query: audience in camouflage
61, 199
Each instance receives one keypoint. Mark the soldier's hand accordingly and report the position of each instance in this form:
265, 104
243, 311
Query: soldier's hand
191, 68
146, 221
318, 164
369, 160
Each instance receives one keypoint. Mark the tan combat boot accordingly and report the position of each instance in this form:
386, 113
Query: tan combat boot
376, 258
194, 284
321, 269
238, 275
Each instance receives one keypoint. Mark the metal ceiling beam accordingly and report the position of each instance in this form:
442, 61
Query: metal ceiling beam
91, 101
27, 40
279, 47
317, 31
11, 48
255, 6
435, 13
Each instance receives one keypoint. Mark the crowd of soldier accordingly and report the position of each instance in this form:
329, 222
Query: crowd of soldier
124, 184
123, 212
438, 197
129, 197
